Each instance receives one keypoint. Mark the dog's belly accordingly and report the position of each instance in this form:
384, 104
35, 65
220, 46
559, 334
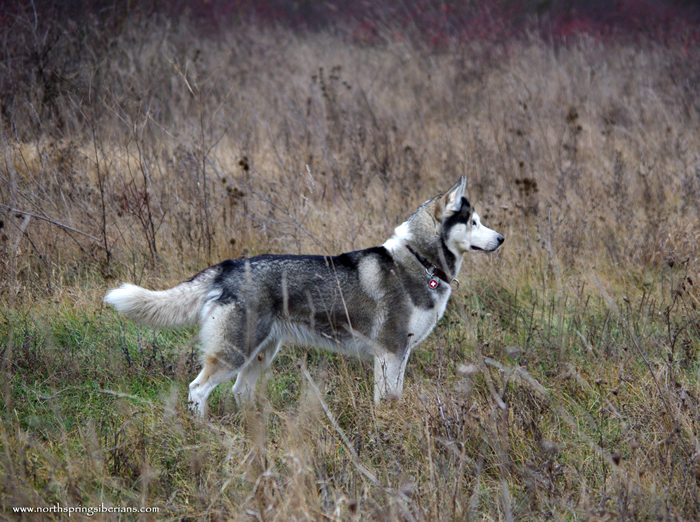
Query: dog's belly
351, 343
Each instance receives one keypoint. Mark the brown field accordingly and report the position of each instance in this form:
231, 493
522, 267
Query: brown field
563, 381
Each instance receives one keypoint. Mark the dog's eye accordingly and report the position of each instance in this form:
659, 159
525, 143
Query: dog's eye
474, 223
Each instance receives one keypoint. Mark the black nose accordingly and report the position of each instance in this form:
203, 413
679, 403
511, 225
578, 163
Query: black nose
500, 239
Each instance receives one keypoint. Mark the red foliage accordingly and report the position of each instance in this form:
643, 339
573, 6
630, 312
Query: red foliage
437, 24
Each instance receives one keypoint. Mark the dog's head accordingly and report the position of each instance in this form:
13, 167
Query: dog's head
446, 220
460, 225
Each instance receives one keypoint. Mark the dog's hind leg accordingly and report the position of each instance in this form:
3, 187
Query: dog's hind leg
215, 372
244, 388
221, 361
231, 339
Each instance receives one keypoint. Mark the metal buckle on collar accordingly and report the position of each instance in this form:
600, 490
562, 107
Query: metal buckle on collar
455, 280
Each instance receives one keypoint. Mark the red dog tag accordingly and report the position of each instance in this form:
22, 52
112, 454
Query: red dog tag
433, 283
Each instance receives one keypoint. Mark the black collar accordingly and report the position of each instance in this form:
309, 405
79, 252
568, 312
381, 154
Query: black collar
429, 267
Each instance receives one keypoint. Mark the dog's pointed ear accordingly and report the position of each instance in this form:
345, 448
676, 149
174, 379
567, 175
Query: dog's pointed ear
453, 197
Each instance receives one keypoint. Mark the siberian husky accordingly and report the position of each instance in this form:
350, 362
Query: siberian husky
377, 303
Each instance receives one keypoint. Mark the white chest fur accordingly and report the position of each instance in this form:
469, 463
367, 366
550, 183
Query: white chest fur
423, 321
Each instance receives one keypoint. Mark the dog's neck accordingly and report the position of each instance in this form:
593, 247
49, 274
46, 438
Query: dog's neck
436, 257
432, 269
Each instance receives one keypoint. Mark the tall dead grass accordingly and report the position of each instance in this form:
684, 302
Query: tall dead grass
562, 381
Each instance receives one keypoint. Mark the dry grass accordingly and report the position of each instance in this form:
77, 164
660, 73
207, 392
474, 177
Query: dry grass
563, 380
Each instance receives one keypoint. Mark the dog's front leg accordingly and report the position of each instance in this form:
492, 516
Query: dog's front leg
388, 375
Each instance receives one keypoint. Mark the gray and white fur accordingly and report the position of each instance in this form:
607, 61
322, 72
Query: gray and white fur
376, 304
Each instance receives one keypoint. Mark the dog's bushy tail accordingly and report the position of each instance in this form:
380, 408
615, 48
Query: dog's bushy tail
178, 306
